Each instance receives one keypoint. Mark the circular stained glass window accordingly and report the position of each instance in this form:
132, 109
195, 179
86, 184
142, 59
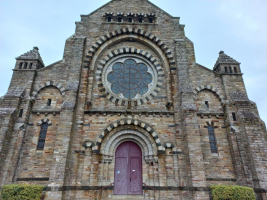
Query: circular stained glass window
129, 77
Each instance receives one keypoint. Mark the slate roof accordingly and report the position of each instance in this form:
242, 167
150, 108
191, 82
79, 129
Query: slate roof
32, 55
225, 59
15, 92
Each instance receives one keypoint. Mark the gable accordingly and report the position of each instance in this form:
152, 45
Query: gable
132, 6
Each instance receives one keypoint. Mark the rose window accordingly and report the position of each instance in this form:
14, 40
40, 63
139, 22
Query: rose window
129, 78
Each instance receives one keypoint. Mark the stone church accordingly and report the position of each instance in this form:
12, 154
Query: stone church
129, 114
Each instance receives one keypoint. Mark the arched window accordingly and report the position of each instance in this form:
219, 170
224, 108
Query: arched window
213, 144
42, 136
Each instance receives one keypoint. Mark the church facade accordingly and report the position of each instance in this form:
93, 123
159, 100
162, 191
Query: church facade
128, 111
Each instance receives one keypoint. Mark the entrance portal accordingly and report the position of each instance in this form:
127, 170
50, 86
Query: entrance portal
128, 169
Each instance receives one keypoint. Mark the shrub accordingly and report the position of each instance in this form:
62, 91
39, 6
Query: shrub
21, 192
232, 192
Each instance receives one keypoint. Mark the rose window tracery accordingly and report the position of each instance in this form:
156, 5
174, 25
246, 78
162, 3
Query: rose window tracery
129, 78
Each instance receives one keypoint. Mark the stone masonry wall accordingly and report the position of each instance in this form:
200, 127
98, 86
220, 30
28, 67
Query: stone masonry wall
171, 129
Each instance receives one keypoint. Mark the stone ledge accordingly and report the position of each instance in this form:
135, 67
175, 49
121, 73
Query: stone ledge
130, 23
129, 112
46, 111
84, 188
210, 113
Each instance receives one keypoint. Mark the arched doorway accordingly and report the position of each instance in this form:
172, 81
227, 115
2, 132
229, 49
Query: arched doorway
128, 170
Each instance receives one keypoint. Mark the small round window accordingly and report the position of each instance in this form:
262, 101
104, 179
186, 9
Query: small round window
129, 78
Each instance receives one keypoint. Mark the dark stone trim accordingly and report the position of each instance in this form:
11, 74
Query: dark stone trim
220, 179
161, 152
32, 179
210, 113
122, 112
82, 152
48, 111
171, 125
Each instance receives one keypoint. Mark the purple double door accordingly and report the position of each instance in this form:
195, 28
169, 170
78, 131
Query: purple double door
128, 170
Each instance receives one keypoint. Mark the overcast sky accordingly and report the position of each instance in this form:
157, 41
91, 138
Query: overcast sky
237, 27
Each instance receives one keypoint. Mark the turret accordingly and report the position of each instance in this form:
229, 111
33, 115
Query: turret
30, 60
227, 65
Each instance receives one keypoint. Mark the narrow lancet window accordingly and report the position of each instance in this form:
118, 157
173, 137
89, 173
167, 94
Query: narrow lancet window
49, 102
213, 144
42, 137
207, 104
226, 70
234, 116
109, 19
20, 113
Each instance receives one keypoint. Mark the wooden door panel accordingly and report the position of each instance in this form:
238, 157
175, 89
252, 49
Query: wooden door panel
135, 184
121, 179
128, 169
